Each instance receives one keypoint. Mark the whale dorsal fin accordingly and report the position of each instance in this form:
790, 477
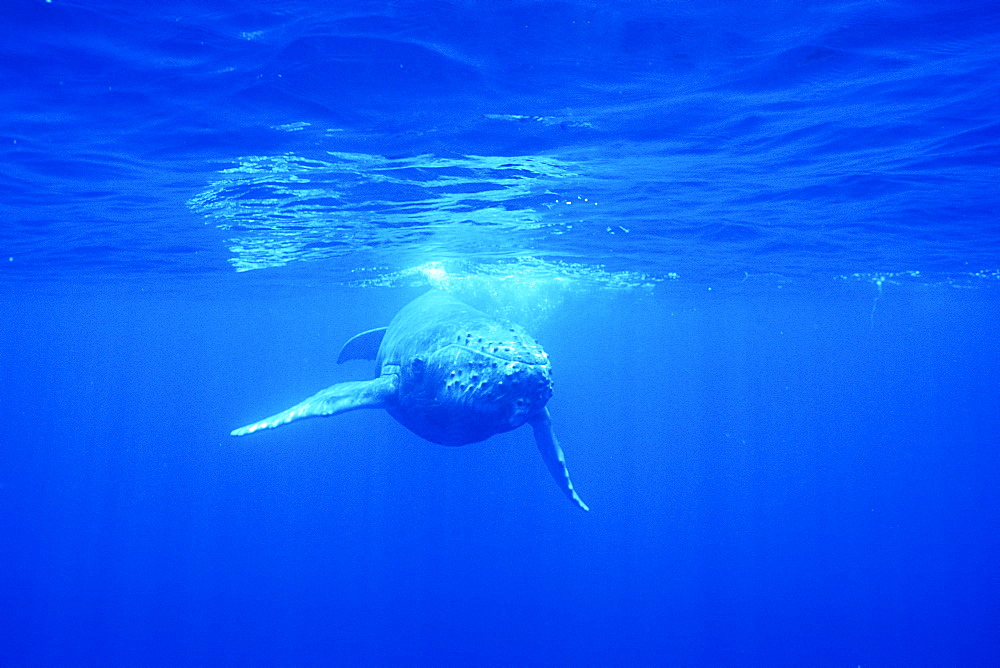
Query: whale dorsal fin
363, 346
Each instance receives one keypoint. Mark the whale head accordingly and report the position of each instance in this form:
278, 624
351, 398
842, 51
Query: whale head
477, 384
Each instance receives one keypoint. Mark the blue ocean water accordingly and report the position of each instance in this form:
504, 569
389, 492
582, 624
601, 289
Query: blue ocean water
759, 242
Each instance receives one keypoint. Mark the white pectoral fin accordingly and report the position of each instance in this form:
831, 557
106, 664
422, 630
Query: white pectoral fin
334, 400
552, 454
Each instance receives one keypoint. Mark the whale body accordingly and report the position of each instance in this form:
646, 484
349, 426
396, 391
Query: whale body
450, 374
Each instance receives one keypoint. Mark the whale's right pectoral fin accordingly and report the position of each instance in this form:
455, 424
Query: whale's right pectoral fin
334, 400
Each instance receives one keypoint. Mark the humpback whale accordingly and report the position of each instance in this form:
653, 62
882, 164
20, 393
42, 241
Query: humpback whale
450, 374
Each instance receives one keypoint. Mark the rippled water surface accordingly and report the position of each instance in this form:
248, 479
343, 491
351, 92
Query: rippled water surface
706, 142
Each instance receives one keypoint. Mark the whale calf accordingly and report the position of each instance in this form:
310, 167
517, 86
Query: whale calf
450, 374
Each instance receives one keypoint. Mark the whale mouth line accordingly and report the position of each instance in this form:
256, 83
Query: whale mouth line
493, 355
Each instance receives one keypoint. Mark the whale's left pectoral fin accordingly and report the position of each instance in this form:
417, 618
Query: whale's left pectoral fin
334, 400
547, 444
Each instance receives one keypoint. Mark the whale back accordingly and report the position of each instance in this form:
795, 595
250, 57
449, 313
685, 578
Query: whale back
463, 375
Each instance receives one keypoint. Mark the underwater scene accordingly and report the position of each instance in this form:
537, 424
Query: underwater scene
482, 333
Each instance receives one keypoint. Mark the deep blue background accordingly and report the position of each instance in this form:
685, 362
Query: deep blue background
779, 481
758, 240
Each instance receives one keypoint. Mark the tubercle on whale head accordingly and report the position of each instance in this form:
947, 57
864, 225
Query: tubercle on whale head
504, 341
525, 388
